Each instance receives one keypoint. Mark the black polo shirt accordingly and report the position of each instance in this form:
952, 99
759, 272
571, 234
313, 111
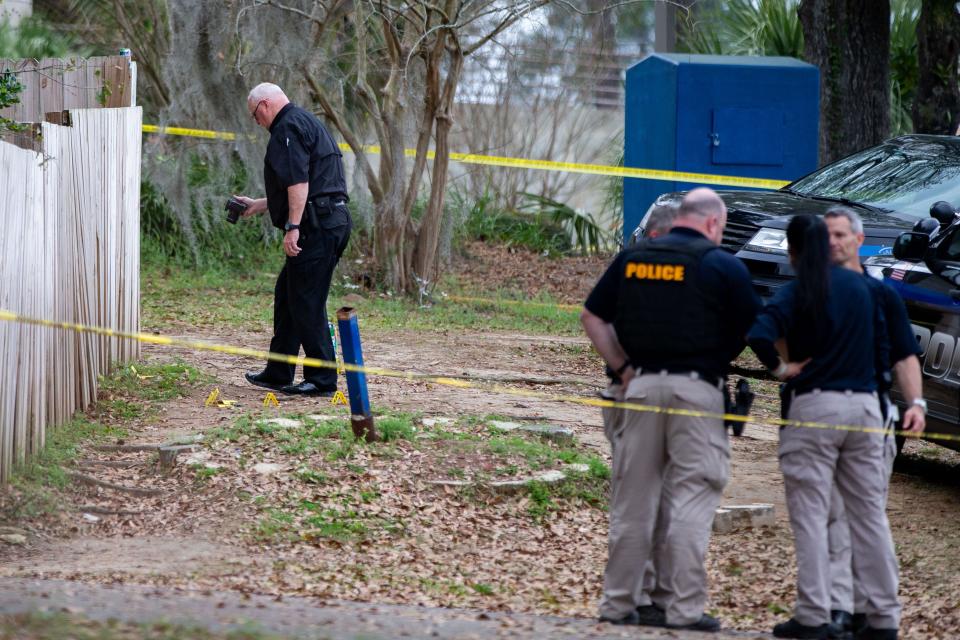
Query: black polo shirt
903, 341
718, 272
300, 150
846, 356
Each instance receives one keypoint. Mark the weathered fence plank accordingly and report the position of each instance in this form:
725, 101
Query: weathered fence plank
69, 235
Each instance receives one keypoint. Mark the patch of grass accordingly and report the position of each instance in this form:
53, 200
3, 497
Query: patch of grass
396, 428
176, 297
346, 524
155, 382
541, 500
537, 454
120, 409
311, 476
242, 427
335, 525
489, 311
274, 526
56, 626
125, 394
342, 450
598, 468
482, 589
202, 472
36, 482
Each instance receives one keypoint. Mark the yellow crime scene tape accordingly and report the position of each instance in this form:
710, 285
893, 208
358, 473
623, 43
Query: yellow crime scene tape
451, 382
524, 163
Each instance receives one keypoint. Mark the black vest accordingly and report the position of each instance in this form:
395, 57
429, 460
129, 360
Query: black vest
662, 312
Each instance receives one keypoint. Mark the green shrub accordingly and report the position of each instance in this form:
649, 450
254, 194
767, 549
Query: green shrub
486, 222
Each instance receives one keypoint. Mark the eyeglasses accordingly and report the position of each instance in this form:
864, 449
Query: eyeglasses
254, 114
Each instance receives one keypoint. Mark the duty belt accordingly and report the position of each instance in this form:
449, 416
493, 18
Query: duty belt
322, 203
712, 380
815, 390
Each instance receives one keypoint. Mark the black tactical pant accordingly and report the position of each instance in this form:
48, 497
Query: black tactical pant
300, 300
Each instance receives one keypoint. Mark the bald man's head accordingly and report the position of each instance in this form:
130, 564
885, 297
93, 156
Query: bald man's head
703, 210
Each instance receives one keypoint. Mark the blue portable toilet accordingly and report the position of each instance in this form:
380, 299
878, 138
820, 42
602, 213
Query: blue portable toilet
740, 116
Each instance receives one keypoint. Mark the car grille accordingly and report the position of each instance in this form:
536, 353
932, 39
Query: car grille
736, 234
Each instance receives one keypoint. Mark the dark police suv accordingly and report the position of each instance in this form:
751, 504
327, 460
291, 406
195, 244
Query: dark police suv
894, 187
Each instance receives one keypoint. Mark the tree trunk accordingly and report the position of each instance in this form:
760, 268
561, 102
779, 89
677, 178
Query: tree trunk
849, 40
936, 107
426, 256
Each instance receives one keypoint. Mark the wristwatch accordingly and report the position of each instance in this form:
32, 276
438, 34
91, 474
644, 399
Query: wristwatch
920, 402
290, 226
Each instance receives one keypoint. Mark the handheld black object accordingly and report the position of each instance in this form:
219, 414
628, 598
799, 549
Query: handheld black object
234, 208
739, 405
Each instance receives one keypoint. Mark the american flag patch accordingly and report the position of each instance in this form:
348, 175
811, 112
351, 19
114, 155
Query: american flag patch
897, 274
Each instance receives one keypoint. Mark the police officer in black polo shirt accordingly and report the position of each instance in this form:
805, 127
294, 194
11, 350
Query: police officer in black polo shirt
847, 592
668, 316
307, 199
833, 328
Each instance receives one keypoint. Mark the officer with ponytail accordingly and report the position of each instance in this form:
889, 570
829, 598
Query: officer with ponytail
668, 316
833, 329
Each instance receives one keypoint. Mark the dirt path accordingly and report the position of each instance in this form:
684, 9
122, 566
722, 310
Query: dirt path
195, 539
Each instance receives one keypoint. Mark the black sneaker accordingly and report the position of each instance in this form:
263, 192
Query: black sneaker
869, 633
841, 625
651, 616
706, 623
630, 619
793, 629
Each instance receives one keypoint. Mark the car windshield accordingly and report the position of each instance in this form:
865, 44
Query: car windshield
905, 175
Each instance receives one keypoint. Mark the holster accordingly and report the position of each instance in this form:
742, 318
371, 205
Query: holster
316, 209
738, 405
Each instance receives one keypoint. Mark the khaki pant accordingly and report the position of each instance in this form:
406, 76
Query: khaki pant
845, 593
813, 461
667, 479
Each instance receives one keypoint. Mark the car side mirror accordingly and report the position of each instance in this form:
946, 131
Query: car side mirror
943, 211
911, 246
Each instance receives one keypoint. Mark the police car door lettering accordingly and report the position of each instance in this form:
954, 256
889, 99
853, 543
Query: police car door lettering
940, 356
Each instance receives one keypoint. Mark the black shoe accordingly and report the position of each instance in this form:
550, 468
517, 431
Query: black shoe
869, 633
705, 623
793, 629
306, 388
262, 381
858, 622
629, 619
841, 625
651, 616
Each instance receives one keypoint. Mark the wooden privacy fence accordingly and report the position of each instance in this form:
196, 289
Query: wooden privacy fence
69, 247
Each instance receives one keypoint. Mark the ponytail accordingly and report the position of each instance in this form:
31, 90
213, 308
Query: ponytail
810, 245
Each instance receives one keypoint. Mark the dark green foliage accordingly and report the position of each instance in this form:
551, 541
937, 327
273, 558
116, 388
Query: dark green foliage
10, 90
35, 38
743, 27
488, 223
587, 234
539, 224
772, 28
203, 239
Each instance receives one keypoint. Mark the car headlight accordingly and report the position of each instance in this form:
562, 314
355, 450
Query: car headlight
768, 241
